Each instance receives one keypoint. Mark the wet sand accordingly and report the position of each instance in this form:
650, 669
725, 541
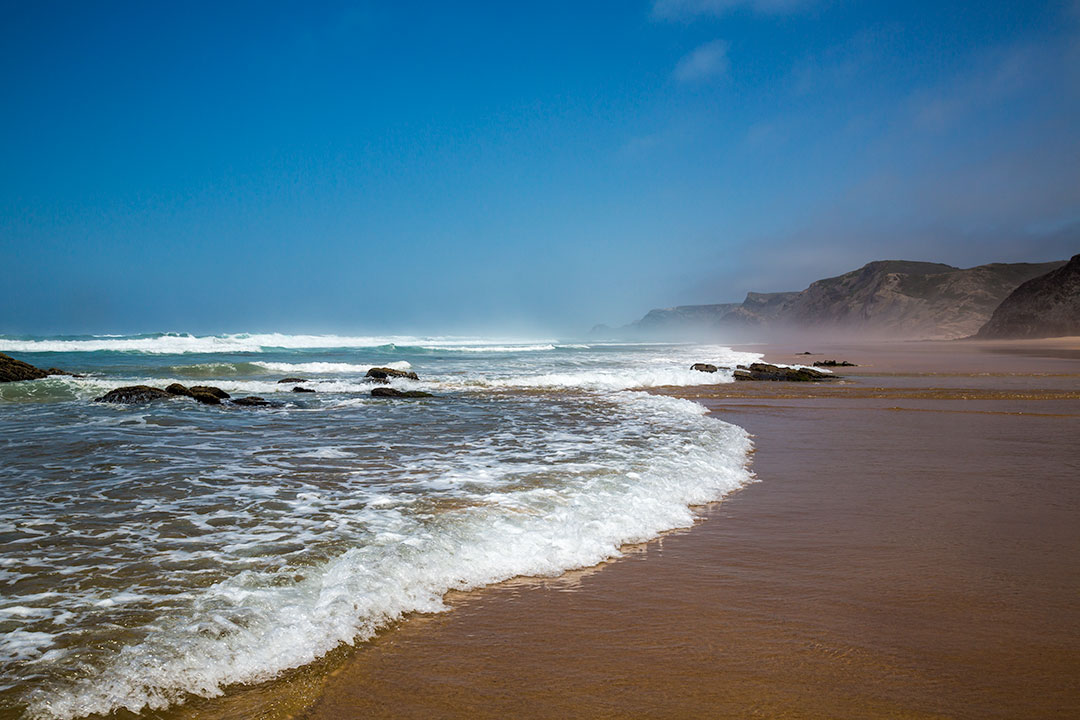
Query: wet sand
912, 550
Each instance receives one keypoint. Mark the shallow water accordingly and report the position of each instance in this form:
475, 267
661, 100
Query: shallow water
153, 552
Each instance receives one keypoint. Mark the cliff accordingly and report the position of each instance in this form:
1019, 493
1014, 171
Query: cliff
1045, 306
900, 299
896, 299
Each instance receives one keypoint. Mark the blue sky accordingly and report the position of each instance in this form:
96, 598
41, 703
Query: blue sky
537, 167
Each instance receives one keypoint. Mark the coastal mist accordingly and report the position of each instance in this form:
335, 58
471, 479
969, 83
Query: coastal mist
155, 553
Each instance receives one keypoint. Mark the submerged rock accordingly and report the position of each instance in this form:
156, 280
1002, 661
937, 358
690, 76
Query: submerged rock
209, 390
205, 394
12, 370
302, 389
703, 367
383, 373
834, 363
206, 398
178, 389
394, 393
764, 371
133, 394
251, 401
286, 381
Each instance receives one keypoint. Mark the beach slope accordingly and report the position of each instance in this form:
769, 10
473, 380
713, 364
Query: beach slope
910, 551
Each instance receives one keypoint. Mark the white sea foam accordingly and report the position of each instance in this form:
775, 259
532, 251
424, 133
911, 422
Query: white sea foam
326, 453
490, 348
20, 645
569, 499
615, 379
181, 343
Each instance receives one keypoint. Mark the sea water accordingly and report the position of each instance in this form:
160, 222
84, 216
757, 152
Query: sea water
150, 553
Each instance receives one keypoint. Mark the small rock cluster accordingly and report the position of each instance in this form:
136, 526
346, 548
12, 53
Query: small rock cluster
205, 394
383, 374
764, 371
210, 395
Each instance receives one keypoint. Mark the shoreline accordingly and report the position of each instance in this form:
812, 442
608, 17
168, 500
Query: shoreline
851, 581
768, 608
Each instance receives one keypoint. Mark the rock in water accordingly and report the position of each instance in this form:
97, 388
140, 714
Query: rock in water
209, 390
703, 367
206, 398
393, 393
764, 371
302, 389
286, 381
12, 370
1046, 306
178, 389
833, 363
383, 373
251, 401
133, 394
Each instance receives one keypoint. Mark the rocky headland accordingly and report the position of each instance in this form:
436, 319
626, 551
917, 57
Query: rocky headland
1046, 306
886, 299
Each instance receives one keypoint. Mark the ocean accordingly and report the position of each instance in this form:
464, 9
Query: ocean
154, 553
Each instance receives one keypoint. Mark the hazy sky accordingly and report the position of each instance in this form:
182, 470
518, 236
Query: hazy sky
452, 167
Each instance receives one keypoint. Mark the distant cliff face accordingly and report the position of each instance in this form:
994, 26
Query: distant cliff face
910, 299
895, 299
1045, 306
673, 320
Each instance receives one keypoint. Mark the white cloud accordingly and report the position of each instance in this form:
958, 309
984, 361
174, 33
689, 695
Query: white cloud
682, 9
708, 62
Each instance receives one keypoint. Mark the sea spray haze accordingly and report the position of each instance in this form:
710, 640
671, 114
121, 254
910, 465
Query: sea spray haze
170, 549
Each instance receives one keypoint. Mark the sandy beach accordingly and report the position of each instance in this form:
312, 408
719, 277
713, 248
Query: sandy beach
910, 551
366, 360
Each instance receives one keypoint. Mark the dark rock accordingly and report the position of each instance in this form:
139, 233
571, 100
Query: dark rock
251, 401
834, 363
806, 353
302, 389
1045, 306
133, 394
58, 371
178, 389
12, 370
209, 390
764, 371
384, 373
703, 367
205, 398
393, 393
286, 381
